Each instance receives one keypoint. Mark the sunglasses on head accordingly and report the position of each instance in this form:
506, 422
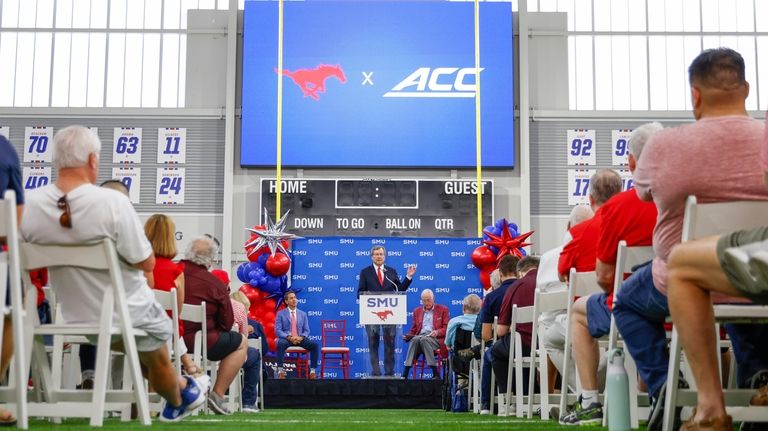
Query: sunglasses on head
66, 217
215, 240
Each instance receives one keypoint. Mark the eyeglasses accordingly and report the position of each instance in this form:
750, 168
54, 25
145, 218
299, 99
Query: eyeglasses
66, 217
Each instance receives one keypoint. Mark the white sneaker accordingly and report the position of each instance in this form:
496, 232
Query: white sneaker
502, 406
485, 412
250, 409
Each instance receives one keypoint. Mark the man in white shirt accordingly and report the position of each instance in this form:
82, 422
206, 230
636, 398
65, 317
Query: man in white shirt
75, 211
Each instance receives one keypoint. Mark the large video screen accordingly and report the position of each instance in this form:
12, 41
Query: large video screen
377, 84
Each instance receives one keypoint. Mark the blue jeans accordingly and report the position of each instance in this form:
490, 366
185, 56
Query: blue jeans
640, 310
251, 377
749, 348
485, 384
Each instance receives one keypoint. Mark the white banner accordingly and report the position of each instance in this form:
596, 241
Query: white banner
626, 179
383, 309
620, 147
36, 176
171, 145
127, 145
581, 147
131, 177
578, 186
38, 144
6, 131
170, 186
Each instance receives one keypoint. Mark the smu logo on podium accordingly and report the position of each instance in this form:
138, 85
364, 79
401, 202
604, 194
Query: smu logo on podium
376, 309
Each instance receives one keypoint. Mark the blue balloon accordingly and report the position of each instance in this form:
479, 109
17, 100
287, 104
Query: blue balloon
513, 226
252, 275
496, 231
262, 260
262, 280
259, 271
495, 250
273, 285
242, 275
499, 223
254, 282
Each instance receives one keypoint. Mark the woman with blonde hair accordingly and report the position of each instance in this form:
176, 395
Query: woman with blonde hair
160, 231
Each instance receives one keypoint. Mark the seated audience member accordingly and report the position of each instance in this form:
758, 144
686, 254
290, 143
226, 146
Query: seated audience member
240, 305
160, 231
490, 310
678, 162
73, 210
427, 333
470, 309
10, 179
520, 293
553, 322
224, 345
697, 270
494, 281
580, 251
292, 329
624, 217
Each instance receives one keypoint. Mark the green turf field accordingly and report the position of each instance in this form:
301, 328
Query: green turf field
328, 420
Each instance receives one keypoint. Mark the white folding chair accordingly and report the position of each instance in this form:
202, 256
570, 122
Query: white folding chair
196, 314
543, 302
15, 392
100, 256
475, 378
256, 343
169, 301
703, 220
626, 259
517, 361
579, 284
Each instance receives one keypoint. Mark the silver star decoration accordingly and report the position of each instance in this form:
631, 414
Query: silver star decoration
272, 236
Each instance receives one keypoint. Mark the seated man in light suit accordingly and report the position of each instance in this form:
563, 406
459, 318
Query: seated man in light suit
292, 329
427, 333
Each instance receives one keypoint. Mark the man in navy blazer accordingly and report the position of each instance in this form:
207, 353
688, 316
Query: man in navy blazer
381, 278
292, 329
427, 334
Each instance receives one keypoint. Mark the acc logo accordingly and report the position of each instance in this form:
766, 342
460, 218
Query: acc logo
436, 83
312, 81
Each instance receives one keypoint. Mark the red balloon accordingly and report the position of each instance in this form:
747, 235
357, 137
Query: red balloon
483, 257
250, 293
278, 264
485, 278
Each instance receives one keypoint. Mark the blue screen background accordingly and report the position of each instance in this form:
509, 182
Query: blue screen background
352, 124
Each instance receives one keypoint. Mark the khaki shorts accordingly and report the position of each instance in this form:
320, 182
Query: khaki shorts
755, 291
155, 322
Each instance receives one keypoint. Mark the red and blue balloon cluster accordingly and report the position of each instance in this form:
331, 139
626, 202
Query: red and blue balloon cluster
499, 240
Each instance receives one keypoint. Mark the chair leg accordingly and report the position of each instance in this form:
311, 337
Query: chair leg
672, 378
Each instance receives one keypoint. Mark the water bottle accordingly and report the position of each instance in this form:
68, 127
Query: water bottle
617, 390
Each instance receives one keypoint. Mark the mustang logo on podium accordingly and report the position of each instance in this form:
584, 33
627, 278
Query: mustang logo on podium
388, 307
383, 314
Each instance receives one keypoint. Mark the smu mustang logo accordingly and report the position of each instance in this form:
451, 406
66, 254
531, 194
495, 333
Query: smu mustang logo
383, 314
312, 81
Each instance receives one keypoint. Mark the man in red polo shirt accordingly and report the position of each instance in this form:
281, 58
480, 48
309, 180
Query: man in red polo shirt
623, 217
580, 252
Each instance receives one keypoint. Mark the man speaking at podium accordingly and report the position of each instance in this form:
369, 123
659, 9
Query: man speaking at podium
381, 278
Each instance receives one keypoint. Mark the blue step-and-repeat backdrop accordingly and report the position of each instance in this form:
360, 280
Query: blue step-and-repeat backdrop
327, 270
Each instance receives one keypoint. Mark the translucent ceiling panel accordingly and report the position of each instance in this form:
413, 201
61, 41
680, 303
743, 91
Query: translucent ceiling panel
638, 72
169, 88
97, 58
42, 79
78, 82
571, 73
746, 47
677, 84
584, 73
657, 67
582, 17
151, 71
691, 15
10, 13
692, 47
7, 56
636, 12
115, 69
135, 14
152, 14
745, 15
99, 16
117, 13
25, 54
602, 14
60, 77
45, 13
710, 15
619, 15
603, 75
762, 78
656, 16
81, 12
172, 14
620, 73
64, 13
27, 11
133, 68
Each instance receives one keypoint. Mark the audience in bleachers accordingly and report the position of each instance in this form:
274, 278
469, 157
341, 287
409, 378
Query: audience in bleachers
623, 217
73, 210
717, 160
520, 293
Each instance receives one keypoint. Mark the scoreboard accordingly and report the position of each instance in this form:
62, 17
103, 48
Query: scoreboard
379, 207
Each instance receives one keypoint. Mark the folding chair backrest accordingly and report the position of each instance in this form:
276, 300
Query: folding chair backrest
462, 339
169, 301
550, 301
196, 314
626, 259
707, 219
582, 283
521, 315
334, 333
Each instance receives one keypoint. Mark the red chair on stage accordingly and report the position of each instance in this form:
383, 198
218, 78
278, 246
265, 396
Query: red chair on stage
420, 364
300, 357
333, 354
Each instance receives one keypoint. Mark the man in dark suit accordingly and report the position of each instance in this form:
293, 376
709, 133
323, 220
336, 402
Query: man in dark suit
381, 278
427, 333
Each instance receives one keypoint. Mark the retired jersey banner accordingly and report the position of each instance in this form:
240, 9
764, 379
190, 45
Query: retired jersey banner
327, 269
396, 75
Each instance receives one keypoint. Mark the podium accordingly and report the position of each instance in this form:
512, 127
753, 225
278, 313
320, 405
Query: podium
383, 308
382, 314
